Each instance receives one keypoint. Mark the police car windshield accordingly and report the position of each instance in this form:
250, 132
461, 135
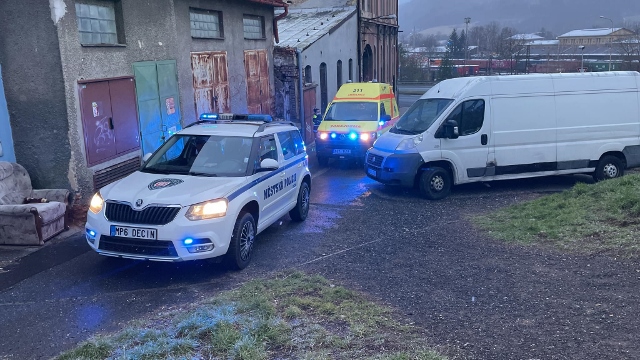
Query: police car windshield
420, 116
202, 155
353, 111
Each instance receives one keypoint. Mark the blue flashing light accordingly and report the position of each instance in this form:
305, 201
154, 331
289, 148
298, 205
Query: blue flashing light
188, 241
381, 123
91, 233
265, 118
333, 135
353, 136
209, 116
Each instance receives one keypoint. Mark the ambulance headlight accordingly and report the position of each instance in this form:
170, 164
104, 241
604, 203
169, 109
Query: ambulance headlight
410, 143
208, 210
97, 202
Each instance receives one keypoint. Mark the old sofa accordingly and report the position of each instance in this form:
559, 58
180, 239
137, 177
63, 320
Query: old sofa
29, 224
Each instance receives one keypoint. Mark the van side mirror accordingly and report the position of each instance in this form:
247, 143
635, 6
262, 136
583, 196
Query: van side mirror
384, 119
451, 129
268, 165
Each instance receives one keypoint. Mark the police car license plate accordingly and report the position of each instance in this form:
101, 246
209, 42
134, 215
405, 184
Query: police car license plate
372, 172
134, 233
341, 151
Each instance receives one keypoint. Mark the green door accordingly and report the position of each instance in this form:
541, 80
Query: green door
158, 102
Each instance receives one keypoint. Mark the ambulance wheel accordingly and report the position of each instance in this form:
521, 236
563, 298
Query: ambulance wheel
323, 160
300, 212
241, 246
609, 167
435, 183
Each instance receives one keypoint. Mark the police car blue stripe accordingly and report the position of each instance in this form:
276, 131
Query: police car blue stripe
257, 181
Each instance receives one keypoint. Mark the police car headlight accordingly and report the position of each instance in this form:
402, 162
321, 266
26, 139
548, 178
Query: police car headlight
410, 143
97, 202
208, 210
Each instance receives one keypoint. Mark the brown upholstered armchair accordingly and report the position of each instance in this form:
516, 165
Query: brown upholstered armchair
34, 223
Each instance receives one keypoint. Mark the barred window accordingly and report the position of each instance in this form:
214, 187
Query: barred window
253, 27
97, 24
206, 24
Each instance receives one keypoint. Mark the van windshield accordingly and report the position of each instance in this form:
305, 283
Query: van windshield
352, 111
420, 116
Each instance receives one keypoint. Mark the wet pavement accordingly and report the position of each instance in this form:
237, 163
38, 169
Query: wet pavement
474, 296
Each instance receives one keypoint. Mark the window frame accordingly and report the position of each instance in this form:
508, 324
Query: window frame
194, 10
263, 29
461, 122
116, 6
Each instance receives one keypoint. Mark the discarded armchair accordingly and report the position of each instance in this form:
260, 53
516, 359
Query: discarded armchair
27, 216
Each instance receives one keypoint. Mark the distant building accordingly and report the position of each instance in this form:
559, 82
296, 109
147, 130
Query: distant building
594, 36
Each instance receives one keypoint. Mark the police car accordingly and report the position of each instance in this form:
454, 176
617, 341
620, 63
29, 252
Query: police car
206, 192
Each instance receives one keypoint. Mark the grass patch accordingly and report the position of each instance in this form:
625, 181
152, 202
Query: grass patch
293, 316
602, 217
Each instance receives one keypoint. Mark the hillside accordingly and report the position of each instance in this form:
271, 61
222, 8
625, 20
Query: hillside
558, 16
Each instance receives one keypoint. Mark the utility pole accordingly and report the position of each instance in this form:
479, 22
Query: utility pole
467, 20
610, 40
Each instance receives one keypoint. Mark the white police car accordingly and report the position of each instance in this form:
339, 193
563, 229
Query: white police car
207, 192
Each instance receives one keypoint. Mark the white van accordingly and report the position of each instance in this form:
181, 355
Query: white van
508, 127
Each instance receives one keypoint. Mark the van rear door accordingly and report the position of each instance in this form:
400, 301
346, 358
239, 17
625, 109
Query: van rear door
470, 151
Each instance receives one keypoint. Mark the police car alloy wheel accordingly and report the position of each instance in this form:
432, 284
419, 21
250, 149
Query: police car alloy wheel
207, 192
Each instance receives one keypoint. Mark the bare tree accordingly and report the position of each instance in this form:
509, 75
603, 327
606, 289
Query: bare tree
629, 48
492, 36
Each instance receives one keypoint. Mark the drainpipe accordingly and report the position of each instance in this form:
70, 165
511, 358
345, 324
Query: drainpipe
301, 87
275, 22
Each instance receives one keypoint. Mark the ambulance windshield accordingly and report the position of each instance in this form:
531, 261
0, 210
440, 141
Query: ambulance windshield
420, 116
202, 155
352, 111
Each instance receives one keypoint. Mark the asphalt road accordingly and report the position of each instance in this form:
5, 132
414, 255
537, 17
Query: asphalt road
475, 297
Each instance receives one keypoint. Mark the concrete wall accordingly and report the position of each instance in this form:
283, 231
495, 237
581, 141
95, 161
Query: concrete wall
338, 45
34, 89
150, 34
233, 43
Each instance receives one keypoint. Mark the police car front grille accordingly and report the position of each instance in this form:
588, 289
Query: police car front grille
137, 247
153, 215
375, 160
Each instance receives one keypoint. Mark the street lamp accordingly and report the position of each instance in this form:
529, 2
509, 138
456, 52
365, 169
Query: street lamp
467, 20
610, 40
581, 47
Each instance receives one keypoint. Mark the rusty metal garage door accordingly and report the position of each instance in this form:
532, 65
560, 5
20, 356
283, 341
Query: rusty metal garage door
210, 82
256, 65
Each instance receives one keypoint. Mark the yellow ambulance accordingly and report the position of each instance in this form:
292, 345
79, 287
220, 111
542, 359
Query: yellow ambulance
359, 113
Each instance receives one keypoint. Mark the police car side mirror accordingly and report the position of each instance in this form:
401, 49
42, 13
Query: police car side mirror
146, 157
269, 164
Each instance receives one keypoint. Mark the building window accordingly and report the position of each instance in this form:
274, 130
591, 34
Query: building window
253, 27
98, 24
308, 79
350, 69
206, 24
339, 72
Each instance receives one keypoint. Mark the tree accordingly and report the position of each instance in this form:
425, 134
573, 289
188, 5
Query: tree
629, 48
462, 41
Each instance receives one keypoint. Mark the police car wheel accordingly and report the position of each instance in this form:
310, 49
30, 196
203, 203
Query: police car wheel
300, 212
435, 183
241, 246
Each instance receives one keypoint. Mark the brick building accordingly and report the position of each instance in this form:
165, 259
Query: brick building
378, 40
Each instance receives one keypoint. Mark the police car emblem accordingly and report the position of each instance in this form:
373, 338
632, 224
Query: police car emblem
164, 183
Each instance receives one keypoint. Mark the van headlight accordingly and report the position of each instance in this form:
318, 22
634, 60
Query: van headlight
410, 143
208, 210
97, 202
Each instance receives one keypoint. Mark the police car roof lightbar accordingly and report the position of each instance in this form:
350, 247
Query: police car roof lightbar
246, 117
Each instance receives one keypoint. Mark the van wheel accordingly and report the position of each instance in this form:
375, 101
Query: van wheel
242, 239
609, 167
435, 183
300, 212
323, 160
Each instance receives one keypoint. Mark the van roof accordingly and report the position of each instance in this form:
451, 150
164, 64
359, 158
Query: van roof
533, 83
